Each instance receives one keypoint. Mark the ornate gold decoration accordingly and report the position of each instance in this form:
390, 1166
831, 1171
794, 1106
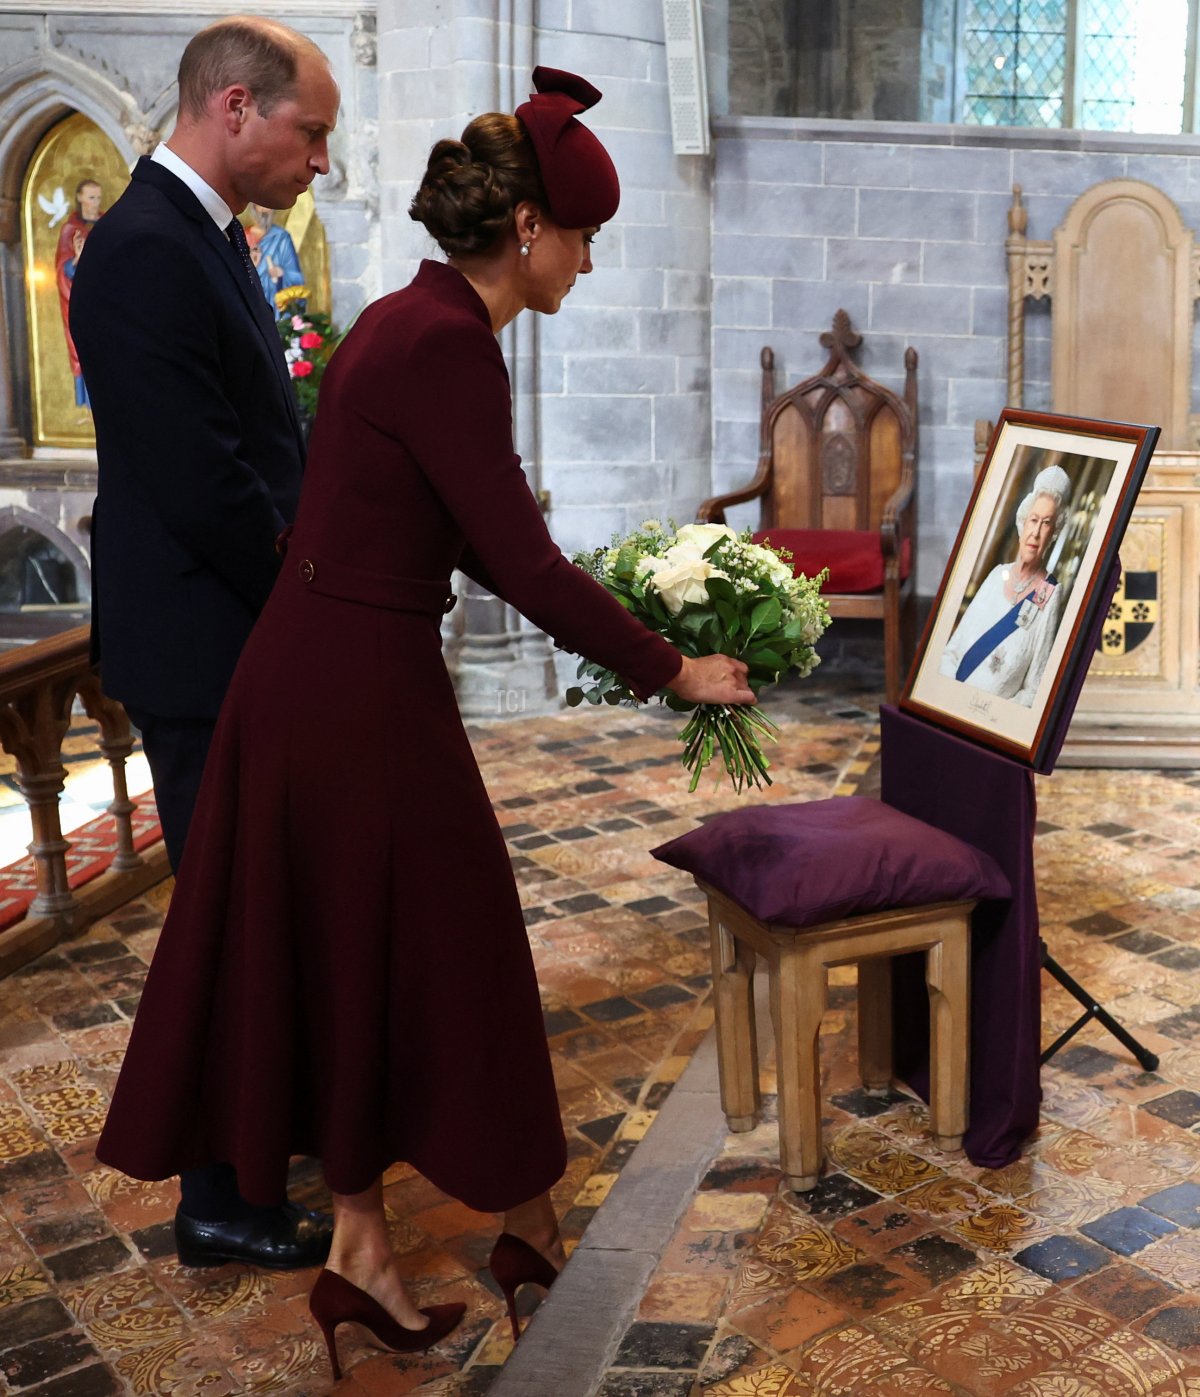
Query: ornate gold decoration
277, 1369
945, 1197
176, 1363
1176, 1259
45, 1074
1001, 1227
20, 1283
1076, 1152
772, 1380
1059, 1327
65, 1099
137, 1326
756, 1280
857, 1144
1070, 1202
106, 1298
996, 1286
18, 1137
852, 1359
226, 1294
804, 1253
65, 1130
892, 1171
1126, 1362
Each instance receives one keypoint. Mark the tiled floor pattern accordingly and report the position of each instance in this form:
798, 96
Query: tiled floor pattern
1074, 1272
91, 1299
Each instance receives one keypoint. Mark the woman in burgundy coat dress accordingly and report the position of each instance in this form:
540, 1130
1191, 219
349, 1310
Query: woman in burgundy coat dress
359, 981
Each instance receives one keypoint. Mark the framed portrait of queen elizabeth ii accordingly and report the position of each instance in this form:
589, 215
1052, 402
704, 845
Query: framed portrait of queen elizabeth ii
1010, 622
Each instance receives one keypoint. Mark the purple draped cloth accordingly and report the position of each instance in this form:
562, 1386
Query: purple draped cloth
988, 800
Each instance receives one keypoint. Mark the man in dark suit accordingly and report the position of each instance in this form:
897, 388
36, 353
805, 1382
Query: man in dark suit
200, 454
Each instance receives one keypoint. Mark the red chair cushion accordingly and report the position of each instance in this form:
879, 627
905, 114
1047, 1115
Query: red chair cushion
854, 557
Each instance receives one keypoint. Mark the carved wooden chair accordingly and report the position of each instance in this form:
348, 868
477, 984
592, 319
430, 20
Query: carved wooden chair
1122, 272
837, 479
1117, 281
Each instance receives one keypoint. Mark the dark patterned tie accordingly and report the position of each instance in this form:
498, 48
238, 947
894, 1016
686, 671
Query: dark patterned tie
237, 236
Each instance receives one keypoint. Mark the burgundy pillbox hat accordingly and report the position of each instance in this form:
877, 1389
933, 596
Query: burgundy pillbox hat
579, 177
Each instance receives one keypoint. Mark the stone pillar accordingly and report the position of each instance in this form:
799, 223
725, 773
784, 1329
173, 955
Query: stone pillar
435, 74
11, 442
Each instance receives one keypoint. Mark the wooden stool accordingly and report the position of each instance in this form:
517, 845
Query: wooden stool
797, 960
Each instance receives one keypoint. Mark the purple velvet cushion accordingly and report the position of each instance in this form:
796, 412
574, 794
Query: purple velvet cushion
801, 865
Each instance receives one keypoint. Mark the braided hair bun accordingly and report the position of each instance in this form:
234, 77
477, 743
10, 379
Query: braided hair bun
472, 186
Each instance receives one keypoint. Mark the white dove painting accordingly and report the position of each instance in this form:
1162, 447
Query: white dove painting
56, 207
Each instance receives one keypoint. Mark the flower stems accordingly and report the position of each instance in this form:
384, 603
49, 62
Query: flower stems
736, 731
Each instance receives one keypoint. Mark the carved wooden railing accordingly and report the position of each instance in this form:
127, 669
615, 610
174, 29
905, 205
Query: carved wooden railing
38, 687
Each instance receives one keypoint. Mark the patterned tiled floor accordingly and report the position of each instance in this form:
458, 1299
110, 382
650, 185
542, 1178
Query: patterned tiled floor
1072, 1273
91, 1299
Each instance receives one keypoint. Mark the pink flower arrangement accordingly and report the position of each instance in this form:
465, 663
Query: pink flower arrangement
308, 341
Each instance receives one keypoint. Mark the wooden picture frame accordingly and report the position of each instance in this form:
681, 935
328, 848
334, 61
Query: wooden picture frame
1017, 602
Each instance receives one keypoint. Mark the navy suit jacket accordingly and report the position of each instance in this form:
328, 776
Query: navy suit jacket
199, 446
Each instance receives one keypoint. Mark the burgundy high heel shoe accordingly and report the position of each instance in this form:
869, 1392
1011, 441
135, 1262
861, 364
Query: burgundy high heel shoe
335, 1300
515, 1263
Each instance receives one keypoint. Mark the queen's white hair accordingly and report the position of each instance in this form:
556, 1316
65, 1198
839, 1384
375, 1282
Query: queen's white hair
1055, 484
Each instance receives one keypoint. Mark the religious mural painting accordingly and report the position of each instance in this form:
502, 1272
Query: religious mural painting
1021, 589
75, 174
290, 253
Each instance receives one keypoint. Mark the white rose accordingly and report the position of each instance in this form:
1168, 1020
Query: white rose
702, 536
684, 553
682, 581
648, 563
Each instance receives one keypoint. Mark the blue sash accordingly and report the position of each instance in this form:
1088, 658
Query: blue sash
993, 637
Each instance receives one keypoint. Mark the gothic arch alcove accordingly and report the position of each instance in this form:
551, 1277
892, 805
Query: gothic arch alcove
74, 175
45, 577
36, 97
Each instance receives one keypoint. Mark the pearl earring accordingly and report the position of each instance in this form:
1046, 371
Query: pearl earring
525, 249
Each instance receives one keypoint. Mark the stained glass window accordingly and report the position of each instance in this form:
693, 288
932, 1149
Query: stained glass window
1128, 70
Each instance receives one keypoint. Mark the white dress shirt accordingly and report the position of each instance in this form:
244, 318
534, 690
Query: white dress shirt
216, 207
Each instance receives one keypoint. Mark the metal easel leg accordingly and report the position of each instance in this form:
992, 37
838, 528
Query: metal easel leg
1147, 1059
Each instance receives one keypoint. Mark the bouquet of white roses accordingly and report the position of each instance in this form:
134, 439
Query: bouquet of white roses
711, 591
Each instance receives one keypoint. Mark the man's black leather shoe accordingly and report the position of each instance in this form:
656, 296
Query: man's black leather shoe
289, 1238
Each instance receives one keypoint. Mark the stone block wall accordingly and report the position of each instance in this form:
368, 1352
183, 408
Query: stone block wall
902, 226
623, 370
611, 394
